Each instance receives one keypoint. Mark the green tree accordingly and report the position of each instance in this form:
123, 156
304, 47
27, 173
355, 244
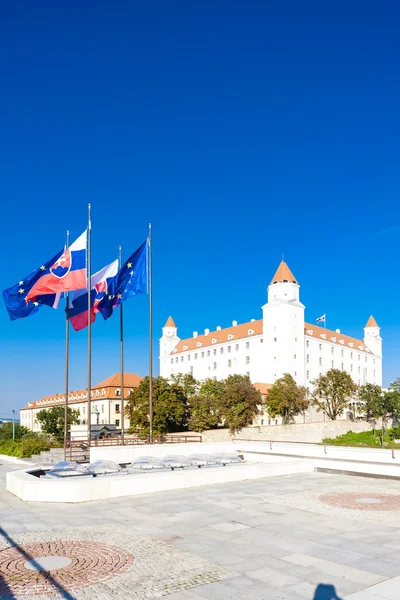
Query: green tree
332, 392
203, 413
52, 420
240, 402
286, 399
212, 388
374, 404
170, 407
6, 431
187, 382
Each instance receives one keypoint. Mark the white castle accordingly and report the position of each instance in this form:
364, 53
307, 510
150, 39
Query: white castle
280, 342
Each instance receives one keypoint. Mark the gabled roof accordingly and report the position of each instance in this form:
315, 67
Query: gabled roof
170, 322
263, 388
334, 337
130, 380
371, 322
230, 334
283, 273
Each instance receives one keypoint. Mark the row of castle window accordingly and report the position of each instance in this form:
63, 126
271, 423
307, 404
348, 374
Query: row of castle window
202, 354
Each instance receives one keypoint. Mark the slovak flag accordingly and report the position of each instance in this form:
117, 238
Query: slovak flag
66, 274
78, 305
321, 319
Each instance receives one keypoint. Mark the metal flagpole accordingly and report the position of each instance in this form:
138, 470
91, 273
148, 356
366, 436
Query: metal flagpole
89, 285
66, 365
150, 267
121, 356
325, 321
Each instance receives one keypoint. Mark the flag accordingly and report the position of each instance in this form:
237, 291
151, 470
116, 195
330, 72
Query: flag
321, 319
130, 281
78, 306
15, 297
66, 273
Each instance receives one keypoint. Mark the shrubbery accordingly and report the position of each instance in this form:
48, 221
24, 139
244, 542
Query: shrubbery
24, 448
365, 438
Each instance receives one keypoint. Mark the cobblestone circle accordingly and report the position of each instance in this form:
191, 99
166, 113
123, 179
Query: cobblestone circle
92, 563
362, 500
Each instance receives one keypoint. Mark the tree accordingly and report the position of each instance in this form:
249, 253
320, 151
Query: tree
374, 403
52, 420
6, 431
187, 382
332, 392
286, 399
203, 413
170, 407
239, 403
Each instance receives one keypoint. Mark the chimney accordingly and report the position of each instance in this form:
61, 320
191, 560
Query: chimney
234, 323
337, 330
218, 328
206, 332
195, 334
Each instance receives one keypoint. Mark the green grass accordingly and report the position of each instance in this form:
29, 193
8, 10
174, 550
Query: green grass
370, 438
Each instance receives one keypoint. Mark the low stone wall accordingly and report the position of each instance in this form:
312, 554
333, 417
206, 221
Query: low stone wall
297, 432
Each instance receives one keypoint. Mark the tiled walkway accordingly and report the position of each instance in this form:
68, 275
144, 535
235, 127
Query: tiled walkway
258, 540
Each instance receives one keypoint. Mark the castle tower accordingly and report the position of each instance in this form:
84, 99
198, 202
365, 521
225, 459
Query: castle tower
373, 341
283, 328
168, 342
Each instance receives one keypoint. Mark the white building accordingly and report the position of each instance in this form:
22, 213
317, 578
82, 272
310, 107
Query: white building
280, 342
105, 398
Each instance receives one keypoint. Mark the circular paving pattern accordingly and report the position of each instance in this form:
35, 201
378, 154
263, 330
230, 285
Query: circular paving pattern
84, 564
360, 501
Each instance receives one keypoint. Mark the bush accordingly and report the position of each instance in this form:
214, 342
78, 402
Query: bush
364, 438
24, 448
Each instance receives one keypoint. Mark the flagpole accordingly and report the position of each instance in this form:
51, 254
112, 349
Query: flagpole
121, 356
150, 261
66, 364
325, 321
89, 277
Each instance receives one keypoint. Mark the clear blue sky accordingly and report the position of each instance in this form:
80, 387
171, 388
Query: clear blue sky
240, 129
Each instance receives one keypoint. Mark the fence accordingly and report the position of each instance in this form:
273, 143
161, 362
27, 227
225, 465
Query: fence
79, 450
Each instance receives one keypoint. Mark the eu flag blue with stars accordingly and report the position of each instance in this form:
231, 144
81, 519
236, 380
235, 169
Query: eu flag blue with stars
130, 280
15, 296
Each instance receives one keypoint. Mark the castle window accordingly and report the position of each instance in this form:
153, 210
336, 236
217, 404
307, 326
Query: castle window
261, 341
308, 358
332, 350
333, 364
117, 392
320, 347
208, 352
176, 360
373, 361
320, 361
358, 370
351, 355
262, 421
214, 351
236, 347
117, 409
308, 375
351, 368
202, 355
247, 360
229, 349
172, 360
275, 339
195, 356
191, 370
307, 344
229, 363
342, 367
342, 352
221, 351
374, 373
102, 409
188, 356
359, 358
366, 358
247, 345
215, 366
181, 358
294, 355
116, 420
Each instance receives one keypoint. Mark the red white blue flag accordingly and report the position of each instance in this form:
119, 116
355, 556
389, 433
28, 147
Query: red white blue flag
78, 306
66, 274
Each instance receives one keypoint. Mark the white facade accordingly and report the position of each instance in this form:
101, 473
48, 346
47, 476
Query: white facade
281, 342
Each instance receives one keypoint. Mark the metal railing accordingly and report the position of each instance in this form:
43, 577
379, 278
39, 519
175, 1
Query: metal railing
79, 450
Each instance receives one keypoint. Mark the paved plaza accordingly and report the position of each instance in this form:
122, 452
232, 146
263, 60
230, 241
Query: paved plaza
310, 536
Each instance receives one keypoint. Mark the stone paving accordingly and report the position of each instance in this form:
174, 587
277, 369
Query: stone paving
274, 538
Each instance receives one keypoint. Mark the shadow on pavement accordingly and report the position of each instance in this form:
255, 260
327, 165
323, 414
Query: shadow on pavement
5, 591
325, 591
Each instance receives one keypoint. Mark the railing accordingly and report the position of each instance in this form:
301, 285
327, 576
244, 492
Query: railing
79, 450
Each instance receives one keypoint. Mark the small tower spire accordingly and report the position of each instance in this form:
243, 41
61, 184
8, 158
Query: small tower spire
371, 322
283, 274
170, 322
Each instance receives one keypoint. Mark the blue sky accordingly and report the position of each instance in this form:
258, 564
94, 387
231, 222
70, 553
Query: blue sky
241, 130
